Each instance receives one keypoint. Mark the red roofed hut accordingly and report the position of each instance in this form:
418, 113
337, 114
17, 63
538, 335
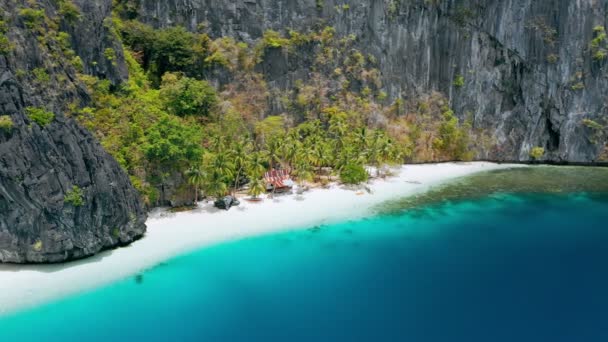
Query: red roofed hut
278, 180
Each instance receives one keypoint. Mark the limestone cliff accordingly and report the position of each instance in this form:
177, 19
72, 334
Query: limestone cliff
62, 196
525, 70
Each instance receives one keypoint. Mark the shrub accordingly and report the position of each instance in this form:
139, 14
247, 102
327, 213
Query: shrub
598, 44
6, 123
69, 11
5, 44
37, 246
185, 96
32, 18
459, 81
319, 4
592, 124
552, 58
537, 152
39, 115
273, 39
77, 63
392, 8
41, 76
110, 54
578, 86
172, 143
166, 50
600, 55
454, 138
74, 196
353, 174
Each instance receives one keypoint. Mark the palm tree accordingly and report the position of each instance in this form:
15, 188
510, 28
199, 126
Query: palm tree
219, 174
361, 137
303, 173
222, 165
256, 166
240, 159
290, 149
215, 184
320, 156
273, 152
196, 178
257, 186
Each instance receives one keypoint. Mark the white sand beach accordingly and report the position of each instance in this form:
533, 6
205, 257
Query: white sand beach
171, 234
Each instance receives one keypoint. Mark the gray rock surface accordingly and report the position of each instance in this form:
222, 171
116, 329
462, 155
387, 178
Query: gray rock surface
529, 73
40, 165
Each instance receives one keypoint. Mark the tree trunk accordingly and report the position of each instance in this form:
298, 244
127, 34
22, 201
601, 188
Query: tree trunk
236, 181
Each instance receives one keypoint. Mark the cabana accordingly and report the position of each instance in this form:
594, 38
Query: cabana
278, 181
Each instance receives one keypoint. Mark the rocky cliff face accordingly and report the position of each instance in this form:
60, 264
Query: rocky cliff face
42, 217
524, 70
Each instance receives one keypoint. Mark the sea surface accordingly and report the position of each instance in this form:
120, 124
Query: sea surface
492, 265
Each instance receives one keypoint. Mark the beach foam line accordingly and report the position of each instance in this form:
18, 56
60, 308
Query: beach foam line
172, 234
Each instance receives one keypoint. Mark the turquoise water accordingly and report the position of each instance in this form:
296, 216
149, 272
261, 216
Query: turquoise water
526, 267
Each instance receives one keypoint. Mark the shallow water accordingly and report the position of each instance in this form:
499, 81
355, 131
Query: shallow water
485, 266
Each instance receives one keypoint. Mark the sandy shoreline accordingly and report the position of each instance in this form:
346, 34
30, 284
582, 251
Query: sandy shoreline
173, 234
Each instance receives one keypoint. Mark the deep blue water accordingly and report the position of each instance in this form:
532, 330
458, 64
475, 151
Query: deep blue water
502, 268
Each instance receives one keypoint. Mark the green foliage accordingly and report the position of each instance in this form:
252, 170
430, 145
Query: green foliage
273, 39
77, 63
41, 76
458, 81
577, 86
127, 8
110, 55
74, 196
166, 121
600, 55
257, 186
37, 246
320, 4
393, 8
39, 115
172, 143
196, 178
68, 11
599, 49
353, 174
537, 152
184, 96
599, 130
270, 128
546, 31
592, 124
32, 18
5, 44
452, 139
552, 58
173, 49
6, 123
